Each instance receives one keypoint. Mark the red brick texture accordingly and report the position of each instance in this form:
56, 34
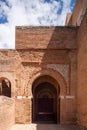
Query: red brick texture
82, 73
49, 51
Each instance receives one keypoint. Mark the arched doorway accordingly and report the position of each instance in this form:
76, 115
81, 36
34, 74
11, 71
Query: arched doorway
46, 106
5, 87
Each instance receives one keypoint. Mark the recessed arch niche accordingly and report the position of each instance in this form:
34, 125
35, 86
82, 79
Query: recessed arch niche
45, 103
5, 87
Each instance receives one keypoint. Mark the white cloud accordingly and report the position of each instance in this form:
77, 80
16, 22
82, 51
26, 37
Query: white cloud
29, 12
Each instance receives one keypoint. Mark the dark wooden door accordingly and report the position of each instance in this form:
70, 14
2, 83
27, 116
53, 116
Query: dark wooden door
45, 105
45, 110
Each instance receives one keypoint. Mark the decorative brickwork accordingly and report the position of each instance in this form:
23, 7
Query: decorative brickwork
41, 55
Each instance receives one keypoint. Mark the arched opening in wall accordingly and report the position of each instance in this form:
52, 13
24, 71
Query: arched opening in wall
5, 87
46, 104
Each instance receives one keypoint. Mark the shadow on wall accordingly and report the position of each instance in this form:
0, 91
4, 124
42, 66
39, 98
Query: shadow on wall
45, 49
58, 127
57, 41
53, 45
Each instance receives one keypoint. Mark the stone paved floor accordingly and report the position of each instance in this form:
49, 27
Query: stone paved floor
46, 127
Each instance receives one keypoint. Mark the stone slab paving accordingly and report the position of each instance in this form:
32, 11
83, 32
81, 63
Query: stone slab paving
46, 127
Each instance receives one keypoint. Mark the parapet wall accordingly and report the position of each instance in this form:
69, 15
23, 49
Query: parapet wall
7, 115
46, 37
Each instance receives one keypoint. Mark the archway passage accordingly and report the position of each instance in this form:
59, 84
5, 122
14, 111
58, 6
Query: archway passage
5, 87
45, 101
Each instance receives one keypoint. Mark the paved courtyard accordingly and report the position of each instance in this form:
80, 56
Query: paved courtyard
46, 127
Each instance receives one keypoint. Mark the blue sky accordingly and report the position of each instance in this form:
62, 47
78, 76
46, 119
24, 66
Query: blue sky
31, 13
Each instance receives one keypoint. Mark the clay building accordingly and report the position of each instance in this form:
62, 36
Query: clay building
46, 75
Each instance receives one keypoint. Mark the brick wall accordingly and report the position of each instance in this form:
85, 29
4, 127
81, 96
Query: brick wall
78, 13
46, 51
7, 113
23, 114
45, 37
82, 73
